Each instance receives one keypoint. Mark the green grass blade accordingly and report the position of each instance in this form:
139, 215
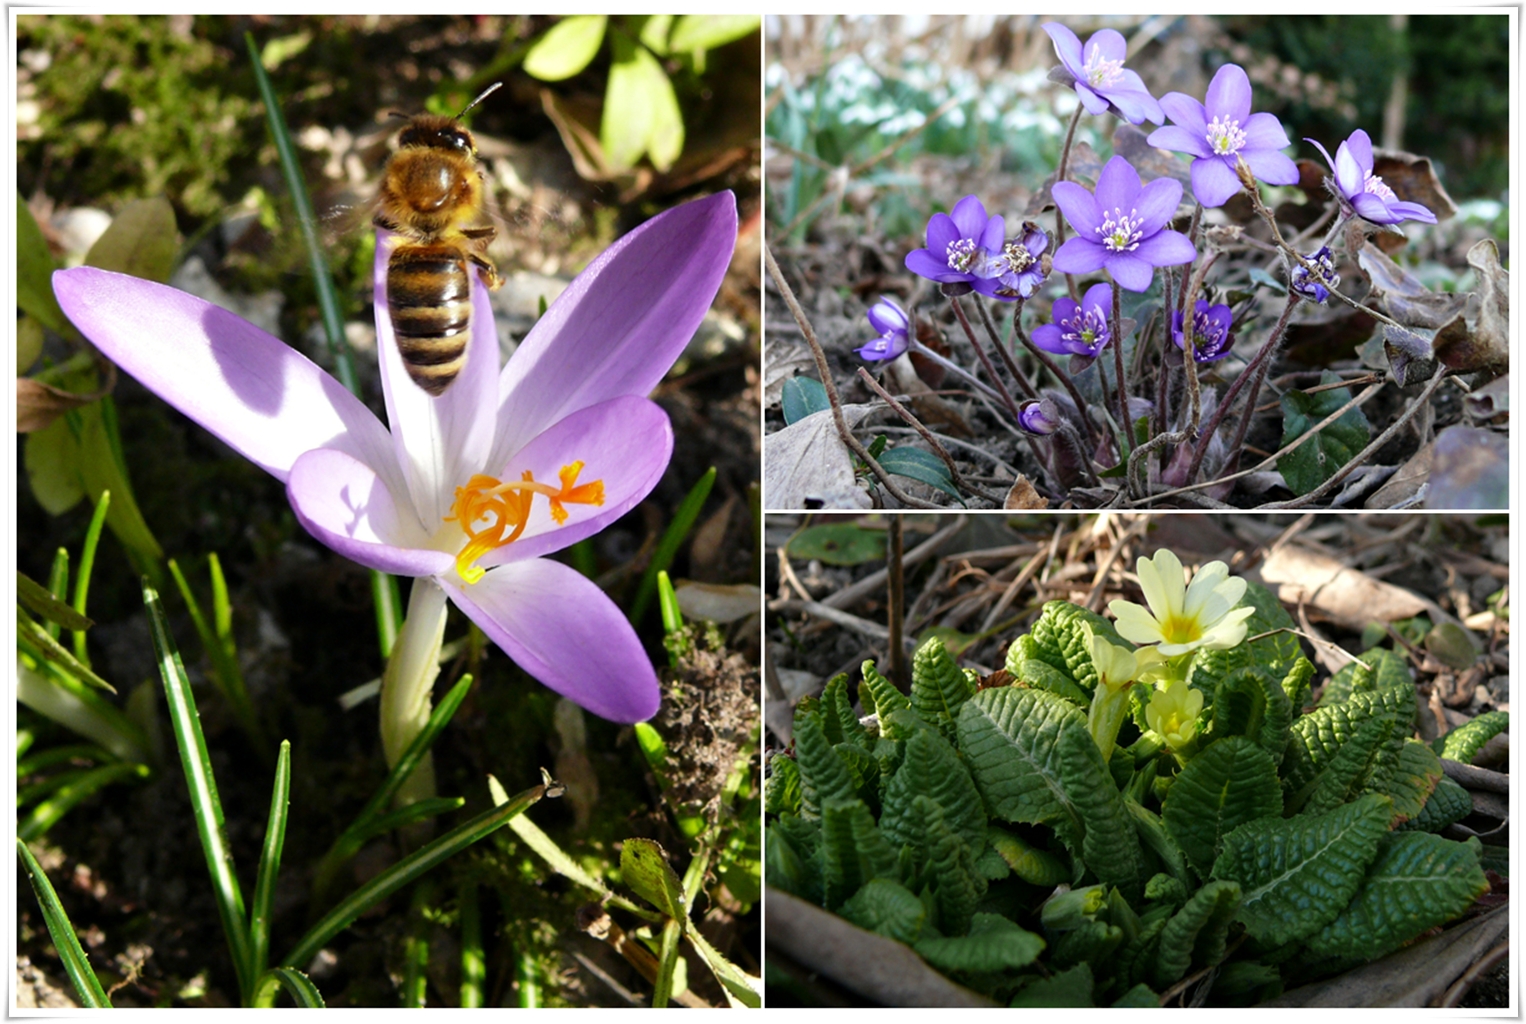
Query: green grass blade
672, 537
51, 691
76, 963
270, 863
28, 631
291, 170
58, 585
79, 787
58, 755
216, 637
389, 610
672, 618
736, 981
86, 567
473, 959
205, 806
667, 960
406, 870
24, 740
415, 812
416, 947
297, 985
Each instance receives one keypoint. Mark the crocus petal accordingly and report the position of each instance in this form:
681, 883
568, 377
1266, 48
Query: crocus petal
625, 442
1229, 94
561, 628
342, 503
440, 442
1078, 256
264, 399
1188, 114
621, 323
1067, 46
1213, 182
1078, 206
969, 217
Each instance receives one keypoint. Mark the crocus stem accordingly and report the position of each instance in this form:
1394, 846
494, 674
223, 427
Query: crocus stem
1059, 218
1253, 375
985, 360
408, 681
1022, 378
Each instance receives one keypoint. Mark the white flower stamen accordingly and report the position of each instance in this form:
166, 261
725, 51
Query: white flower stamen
1101, 72
1122, 232
1375, 186
962, 255
1225, 136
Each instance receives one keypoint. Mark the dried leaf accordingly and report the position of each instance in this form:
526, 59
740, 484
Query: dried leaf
1023, 496
1151, 163
1413, 180
1472, 470
38, 405
1489, 404
1478, 338
1346, 595
717, 602
807, 465
1409, 355
1084, 163
1399, 295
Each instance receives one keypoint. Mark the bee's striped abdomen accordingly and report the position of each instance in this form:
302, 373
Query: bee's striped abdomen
430, 301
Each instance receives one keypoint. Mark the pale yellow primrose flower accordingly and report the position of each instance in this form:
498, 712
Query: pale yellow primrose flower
1183, 618
1117, 669
1172, 713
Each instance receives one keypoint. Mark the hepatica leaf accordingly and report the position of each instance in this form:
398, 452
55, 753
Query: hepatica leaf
1317, 460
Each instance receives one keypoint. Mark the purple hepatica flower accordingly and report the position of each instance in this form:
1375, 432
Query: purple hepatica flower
1101, 81
1078, 330
1369, 197
963, 246
1316, 286
1222, 133
1211, 339
1021, 265
894, 327
1122, 227
1039, 416
565, 425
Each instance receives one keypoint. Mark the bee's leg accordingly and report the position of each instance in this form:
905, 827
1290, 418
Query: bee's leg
481, 236
490, 276
381, 220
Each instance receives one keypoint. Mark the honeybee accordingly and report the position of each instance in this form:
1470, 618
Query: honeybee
432, 195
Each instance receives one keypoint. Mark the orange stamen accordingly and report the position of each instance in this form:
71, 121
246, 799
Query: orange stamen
507, 507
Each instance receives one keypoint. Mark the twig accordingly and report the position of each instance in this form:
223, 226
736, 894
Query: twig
833, 615
927, 435
831, 389
895, 614
1464, 984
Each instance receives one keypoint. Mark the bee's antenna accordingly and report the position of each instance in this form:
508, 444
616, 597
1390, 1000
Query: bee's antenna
482, 96
399, 115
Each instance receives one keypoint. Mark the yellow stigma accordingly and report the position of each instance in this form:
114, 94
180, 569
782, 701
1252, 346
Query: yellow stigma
506, 509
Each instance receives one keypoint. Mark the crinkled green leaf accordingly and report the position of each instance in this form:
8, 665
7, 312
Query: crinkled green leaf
886, 700
1197, 932
887, 907
1062, 638
824, 775
1318, 736
1140, 997
1274, 653
1031, 864
1152, 832
1297, 874
1136, 960
1296, 684
1463, 743
955, 885
993, 944
932, 769
938, 687
1449, 802
1418, 881
1034, 761
786, 868
1412, 780
1166, 889
1094, 942
840, 721
852, 850
1356, 764
782, 793
1387, 670
864, 767
1042, 675
1072, 988
1230, 782
1249, 702
1317, 460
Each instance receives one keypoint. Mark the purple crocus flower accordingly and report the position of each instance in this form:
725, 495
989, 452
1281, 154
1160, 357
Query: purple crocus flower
1316, 286
1101, 81
466, 492
1021, 265
1122, 227
1222, 133
963, 246
1078, 330
1364, 191
1211, 339
894, 327
1039, 416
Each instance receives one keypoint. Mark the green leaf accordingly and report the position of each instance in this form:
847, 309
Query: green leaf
1356, 765
1229, 783
1317, 739
1417, 882
1072, 988
29, 632
297, 985
1412, 781
36, 598
788, 867
886, 907
781, 795
1261, 277
76, 963
852, 850
838, 544
924, 467
567, 48
993, 944
34, 271
1297, 874
949, 868
1140, 997
641, 114
932, 769
1387, 670
50, 455
1043, 676
1452, 645
1034, 761
824, 776
1031, 864
1449, 802
1197, 932
838, 717
1317, 460
76, 788
886, 701
1274, 653
667, 546
938, 687
802, 396
707, 31
1463, 743
1062, 638
142, 240
270, 863
1152, 832
646, 871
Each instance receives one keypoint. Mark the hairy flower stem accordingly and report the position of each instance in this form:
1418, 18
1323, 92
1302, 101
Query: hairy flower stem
927, 435
408, 682
953, 367
1122, 378
985, 360
1253, 374
1059, 217
1022, 378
